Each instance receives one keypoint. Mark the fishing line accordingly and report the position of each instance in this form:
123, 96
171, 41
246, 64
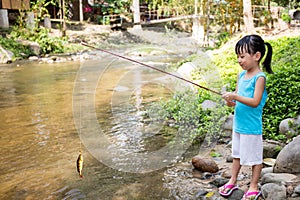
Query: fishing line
79, 161
80, 143
143, 64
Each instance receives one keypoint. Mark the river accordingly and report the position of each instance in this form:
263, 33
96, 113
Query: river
50, 112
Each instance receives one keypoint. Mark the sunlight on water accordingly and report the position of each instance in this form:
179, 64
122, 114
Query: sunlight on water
40, 144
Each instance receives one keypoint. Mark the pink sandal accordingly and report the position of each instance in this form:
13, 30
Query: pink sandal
251, 195
230, 187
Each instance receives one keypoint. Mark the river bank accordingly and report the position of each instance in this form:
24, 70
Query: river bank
104, 37
181, 180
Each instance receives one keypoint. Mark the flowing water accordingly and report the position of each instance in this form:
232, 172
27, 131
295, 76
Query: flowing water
43, 128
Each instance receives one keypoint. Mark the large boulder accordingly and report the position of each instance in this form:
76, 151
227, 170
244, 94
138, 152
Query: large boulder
273, 191
5, 56
228, 124
272, 148
34, 46
205, 164
288, 160
289, 126
208, 105
278, 178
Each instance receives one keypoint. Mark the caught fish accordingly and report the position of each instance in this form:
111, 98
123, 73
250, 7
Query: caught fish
79, 165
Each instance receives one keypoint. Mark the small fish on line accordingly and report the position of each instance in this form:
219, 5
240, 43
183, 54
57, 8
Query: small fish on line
79, 165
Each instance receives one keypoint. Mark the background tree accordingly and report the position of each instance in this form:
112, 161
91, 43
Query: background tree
136, 14
248, 18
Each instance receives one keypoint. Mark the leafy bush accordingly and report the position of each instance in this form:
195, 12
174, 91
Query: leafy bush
19, 50
193, 122
283, 86
40, 35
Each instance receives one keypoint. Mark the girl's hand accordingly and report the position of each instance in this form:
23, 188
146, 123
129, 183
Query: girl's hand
229, 97
230, 103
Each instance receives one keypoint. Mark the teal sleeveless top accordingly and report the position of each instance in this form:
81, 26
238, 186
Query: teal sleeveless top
247, 119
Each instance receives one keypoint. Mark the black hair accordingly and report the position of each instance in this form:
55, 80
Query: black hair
252, 44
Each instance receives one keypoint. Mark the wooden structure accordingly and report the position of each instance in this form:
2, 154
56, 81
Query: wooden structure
15, 4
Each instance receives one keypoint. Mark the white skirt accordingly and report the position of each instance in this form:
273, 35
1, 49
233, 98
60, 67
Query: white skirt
248, 148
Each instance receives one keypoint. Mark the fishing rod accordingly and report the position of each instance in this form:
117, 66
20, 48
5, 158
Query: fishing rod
143, 64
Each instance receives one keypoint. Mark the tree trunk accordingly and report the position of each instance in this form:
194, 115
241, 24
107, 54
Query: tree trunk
80, 11
64, 18
248, 18
270, 14
136, 14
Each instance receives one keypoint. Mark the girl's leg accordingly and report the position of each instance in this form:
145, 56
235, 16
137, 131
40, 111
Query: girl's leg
256, 171
236, 166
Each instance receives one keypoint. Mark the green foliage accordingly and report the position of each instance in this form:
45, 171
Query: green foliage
19, 50
172, 7
40, 35
194, 121
115, 7
283, 86
286, 3
215, 154
222, 38
286, 17
226, 61
40, 8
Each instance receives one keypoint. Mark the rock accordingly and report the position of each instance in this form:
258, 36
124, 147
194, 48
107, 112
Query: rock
236, 194
34, 46
206, 175
289, 190
218, 182
5, 56
277, 178
229, 159
227, 125
201, 193
274, 191
270, 162
271, 148
289, 126
294, 196
33, 58
288, 160
284, 126
297, 189
266, 170
226, 174
205, 164
208, 104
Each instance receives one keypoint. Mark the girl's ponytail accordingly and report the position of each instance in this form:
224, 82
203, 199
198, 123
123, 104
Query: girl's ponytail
267, 62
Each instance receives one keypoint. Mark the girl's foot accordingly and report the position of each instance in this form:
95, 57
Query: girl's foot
227, 189
254, 195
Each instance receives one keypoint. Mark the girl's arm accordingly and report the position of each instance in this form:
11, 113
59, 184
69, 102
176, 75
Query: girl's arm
231, 103
253, 102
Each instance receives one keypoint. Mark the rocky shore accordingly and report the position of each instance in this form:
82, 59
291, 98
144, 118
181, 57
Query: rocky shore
204, 174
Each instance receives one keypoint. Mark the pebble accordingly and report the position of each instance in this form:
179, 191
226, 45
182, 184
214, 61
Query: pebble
297, 189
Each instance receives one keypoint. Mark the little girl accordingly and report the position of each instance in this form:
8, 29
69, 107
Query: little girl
249, 99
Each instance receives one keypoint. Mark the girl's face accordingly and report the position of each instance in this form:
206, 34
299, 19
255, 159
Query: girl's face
248, 61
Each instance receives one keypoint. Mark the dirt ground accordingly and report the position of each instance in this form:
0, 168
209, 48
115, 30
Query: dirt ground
159, 35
